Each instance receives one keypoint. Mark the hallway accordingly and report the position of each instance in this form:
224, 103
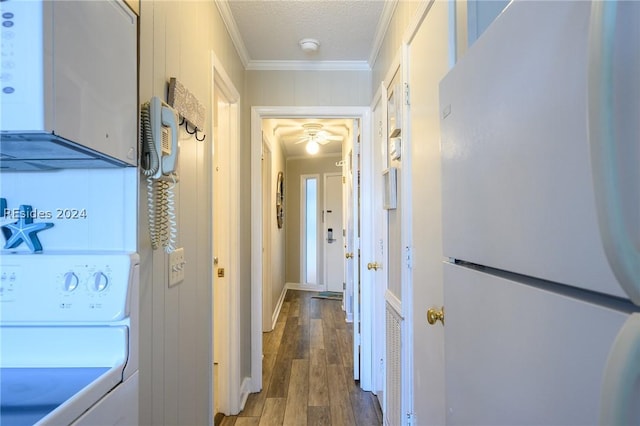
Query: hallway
307, 370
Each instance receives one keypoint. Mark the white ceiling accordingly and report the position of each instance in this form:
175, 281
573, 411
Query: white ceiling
266, 34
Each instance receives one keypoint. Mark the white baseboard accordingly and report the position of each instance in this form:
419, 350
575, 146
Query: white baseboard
245, 390
305, 287
276, 313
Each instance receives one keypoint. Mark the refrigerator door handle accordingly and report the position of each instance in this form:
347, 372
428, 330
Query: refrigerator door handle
621, 383
614, 139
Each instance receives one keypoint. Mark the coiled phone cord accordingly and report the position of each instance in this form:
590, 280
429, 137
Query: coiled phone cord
170, 242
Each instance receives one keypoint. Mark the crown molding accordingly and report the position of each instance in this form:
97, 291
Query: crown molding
308, 66
381, 29
232, 29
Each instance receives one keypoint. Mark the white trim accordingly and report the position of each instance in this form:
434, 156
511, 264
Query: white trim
276, 312
416, 20
220, 79
232, 29
308, 66
305, 287
257, 114
245, 390
381, 31
407, 244
307, 157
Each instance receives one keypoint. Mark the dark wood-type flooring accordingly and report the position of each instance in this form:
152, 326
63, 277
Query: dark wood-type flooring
307, 372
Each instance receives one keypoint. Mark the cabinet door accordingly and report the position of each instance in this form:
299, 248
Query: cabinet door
95, 76
518, 354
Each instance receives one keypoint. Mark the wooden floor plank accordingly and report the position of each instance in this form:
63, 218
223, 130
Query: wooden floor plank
273, 414
295, 413
316, 335
279, 384
331, 345
319, 416
318, 386
307, 370
247, 421
340, 403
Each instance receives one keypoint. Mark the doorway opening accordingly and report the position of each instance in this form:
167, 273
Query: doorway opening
258, 114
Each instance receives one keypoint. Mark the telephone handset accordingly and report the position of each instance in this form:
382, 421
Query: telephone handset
159, 134
160, 138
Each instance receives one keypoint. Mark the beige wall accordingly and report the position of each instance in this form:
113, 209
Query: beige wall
277, 265
176, 39
295, 169
308, 88
392, 43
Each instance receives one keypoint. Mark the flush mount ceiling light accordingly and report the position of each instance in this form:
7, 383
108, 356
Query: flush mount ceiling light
309, 45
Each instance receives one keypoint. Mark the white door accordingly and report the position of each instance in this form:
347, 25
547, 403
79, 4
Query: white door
225, 382
351, 293
427, 64
221, 252
333, 240
380, 243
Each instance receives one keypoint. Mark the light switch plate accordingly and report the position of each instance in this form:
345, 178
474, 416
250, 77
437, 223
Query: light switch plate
176, 267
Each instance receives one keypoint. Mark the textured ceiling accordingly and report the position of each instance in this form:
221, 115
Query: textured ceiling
271, 29
267, 32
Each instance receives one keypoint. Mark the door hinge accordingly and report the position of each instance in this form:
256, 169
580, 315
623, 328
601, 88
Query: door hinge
406, 94
408, 256
411, 418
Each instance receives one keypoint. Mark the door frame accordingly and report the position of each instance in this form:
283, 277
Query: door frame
257, 115
230, 399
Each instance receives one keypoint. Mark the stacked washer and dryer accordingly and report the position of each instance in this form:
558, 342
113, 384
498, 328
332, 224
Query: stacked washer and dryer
69, 338
69, 311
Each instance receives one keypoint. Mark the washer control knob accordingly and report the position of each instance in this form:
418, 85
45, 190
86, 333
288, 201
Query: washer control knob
99, 282
70, 281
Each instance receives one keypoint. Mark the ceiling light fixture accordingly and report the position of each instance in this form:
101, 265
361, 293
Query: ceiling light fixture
309, 45
312, 147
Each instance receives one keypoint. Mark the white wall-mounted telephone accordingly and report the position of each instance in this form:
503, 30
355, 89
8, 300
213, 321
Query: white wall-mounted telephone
159, 134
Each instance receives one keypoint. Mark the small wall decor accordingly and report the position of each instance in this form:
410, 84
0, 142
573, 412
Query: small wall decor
280, 200
188, 106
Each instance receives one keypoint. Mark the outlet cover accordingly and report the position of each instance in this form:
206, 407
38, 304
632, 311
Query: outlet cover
176, 267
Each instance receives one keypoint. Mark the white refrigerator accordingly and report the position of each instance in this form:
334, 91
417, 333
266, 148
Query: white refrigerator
540, 148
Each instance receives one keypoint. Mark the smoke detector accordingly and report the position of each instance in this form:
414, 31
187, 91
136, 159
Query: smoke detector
309, 45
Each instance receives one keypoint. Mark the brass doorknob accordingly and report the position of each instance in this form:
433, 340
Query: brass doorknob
349, 255
373, 265
434, 315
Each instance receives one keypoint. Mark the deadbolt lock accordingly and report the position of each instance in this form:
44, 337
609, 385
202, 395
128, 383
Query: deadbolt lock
220, 272
349, 255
